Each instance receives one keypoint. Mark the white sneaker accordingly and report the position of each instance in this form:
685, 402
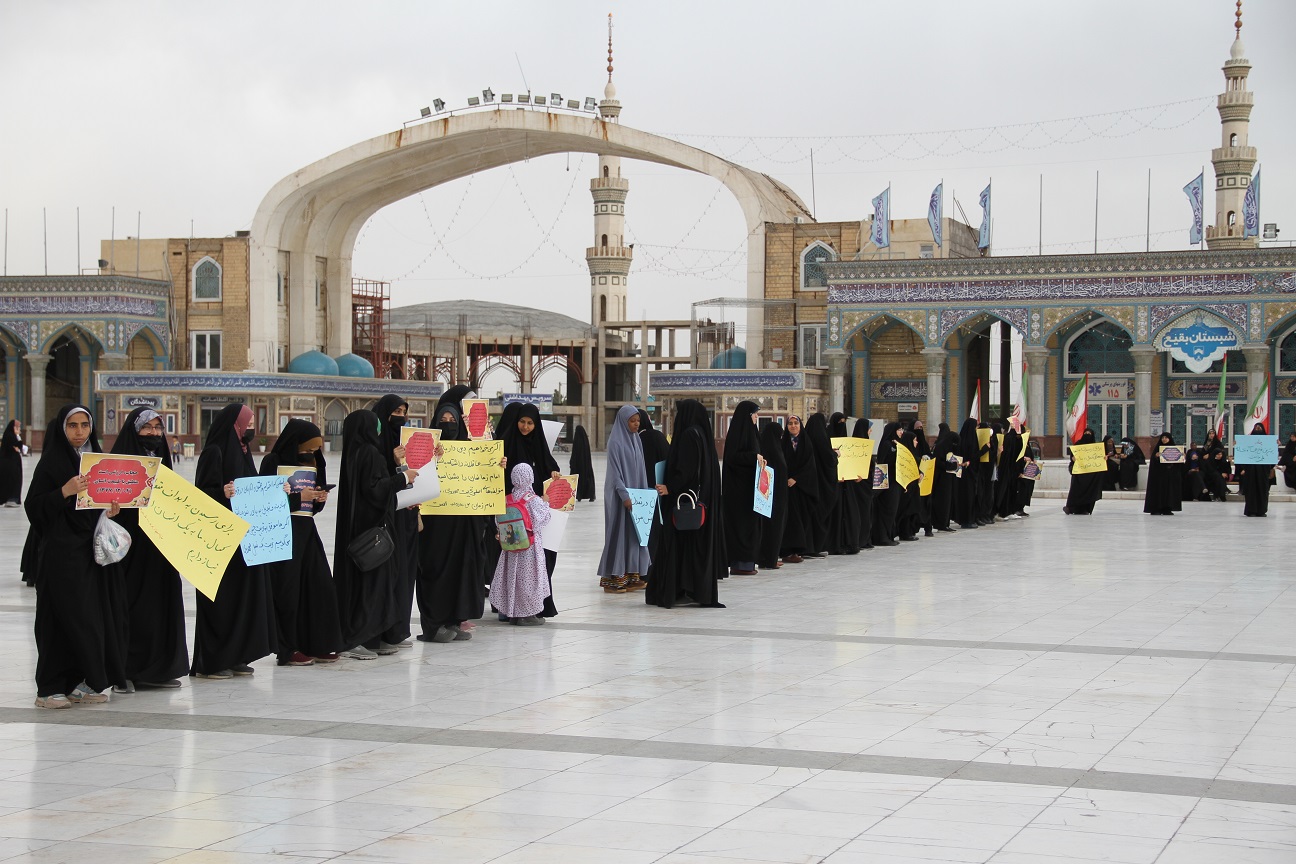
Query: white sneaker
1012, 516
359, 652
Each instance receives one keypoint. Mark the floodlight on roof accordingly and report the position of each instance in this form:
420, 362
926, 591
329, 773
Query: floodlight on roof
555, 98
488, 95
590, 104
506, 97
473, 101
1271, 231
573, 104
425, 112
539, 100
439, 105
524, 98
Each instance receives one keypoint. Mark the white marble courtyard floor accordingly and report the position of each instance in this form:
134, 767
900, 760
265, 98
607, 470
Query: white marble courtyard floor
1059, 689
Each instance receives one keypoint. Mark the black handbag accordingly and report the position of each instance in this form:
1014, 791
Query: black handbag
371, 548
690, 513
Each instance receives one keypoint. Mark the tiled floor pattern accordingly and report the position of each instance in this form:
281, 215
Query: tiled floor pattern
1110, 688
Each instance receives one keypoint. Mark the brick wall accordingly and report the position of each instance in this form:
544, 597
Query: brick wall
229, 315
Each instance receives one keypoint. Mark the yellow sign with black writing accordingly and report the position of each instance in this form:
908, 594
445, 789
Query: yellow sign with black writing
928, 468
983, 438
472, 481
906, 466
196, 534
853, 457
1089, 458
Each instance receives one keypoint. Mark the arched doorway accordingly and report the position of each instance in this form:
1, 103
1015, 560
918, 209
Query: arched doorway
992, 351
62, 376
1103, 349
334, 416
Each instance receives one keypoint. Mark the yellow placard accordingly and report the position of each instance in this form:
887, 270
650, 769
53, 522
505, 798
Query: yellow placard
196, 534
983, 438
928, 469
472, 481
853, 457
1025, 438
1089, 458
424, 450
116, 478
906, 466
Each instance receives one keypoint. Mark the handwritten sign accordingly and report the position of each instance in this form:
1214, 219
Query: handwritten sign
299, 478
853, 455
1171, 455
906, 466
1089, 458
763, 494
197, 535
420, 446
560, 492
1255, 449
1031, 471
264, 504
928, 469
472, 481
983, 438
881, 477
643, 504
126, 480
476, 414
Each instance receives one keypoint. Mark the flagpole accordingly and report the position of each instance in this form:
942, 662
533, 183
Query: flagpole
1096, 177
1201, 240
1147, 242
1041, 214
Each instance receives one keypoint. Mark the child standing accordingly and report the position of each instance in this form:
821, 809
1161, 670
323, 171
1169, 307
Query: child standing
521, 582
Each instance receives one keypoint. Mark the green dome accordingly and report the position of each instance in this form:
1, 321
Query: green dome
313, 363
733, 358
354, 366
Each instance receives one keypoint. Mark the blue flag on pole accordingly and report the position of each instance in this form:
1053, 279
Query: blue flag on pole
1194, 192
983, 241
935, 210
881, 235
1251, 208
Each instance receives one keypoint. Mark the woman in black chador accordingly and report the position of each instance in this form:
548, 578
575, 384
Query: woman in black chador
864, 494
305, 597
582, 465
1086, 489
80, 612
524, 443
1253, 482
1164, 482
158, 653
886, 502
909, 501
986, 467
843, 521
1010, 466
1215, 466
366, 499
922, 449
945, 462
1111, 478
771, 447
969, 451
1131, 458
11, 465
691, 563
655, 448
816, 430
391, 410
238, 627
742, 459
452, 554
802, 482
1287, 459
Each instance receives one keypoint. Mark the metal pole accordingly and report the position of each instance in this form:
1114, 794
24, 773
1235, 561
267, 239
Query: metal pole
6, 243
45, 239
137, 242
1041, 215
112, 242
814, 207
1147, 242
1096, 177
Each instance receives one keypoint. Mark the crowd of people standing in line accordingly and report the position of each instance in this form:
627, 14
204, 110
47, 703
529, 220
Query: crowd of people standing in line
120, 626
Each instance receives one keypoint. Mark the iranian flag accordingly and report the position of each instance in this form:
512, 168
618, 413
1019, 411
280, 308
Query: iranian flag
1077, 407
975, 413
1259, 412
1219, 404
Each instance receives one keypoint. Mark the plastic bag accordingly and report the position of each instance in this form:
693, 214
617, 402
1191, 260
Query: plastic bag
111, 541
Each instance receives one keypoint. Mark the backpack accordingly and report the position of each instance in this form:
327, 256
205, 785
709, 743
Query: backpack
514, 526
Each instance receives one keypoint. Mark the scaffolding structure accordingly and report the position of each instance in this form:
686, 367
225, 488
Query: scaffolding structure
370, 302
724, 323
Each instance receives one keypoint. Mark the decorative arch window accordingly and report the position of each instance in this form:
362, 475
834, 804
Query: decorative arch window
1232, 220
1102, 349
813, 275
605, 171
1233, 140
604, 241
1287, 353
207, 281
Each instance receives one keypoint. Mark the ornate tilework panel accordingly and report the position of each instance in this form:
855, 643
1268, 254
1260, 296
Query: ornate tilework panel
1234, 313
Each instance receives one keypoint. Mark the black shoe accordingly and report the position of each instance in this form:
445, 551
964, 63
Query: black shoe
948, 530
928, 533
888, 543
970, 526
911, 537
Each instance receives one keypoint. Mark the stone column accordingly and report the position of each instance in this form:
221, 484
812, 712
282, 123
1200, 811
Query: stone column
1144, 356
587, 386
38, 363
524, 366
1257, 361
1037, 368
836, 379
935, 358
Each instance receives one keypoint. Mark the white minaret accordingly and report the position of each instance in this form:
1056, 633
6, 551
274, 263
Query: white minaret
1233, 159
609, 257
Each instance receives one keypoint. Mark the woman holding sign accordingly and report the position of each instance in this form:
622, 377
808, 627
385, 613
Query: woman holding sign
238, 627
391, 410
864, 491
742, 459
802, 483
625, 559
305, 599
886, 502
1165, 478
158, 655
1253, 482
816, 432
1086, 489
79, 607
771, 447
525, 444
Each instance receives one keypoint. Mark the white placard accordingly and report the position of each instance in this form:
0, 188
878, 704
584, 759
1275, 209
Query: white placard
552, 428
427, 485
551, 535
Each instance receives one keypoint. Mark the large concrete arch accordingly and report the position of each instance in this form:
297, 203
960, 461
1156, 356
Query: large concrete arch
318, 211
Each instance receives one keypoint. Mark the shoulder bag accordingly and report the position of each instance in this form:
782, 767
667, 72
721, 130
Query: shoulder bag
371, 548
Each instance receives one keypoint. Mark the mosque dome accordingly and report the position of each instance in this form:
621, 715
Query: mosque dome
313, 363
354, 366
732, 358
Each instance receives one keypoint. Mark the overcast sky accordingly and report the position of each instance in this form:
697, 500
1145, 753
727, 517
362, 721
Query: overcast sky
192, 111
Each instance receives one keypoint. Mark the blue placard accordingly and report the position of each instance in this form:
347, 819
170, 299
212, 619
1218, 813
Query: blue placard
659, 471
264, 504
643, 503
1255, 449
763, 494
